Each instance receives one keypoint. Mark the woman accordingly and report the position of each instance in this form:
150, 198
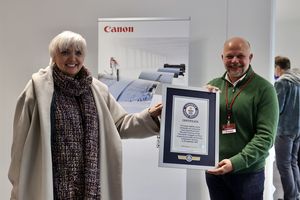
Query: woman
67, 130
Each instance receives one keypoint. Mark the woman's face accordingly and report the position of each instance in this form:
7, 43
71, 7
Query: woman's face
69, 61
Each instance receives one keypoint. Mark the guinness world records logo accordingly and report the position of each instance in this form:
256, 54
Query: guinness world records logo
190, 110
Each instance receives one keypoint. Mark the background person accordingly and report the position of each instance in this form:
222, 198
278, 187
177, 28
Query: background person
248, 120
67, 129
288, 133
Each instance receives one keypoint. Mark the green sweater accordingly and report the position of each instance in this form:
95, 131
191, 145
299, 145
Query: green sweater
255, 114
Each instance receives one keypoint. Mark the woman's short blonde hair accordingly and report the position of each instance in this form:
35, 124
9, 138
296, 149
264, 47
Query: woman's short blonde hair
65, 40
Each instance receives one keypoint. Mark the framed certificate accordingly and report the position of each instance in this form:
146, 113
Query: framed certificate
189, 133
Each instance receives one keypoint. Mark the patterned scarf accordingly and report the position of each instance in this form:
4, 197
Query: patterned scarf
74, 137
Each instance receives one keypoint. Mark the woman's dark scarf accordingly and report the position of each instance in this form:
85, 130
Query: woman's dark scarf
74, 137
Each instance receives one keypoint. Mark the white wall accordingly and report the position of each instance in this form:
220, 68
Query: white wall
26, 28
288, 40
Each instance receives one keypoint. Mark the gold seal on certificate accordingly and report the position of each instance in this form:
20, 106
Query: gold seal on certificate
189, 128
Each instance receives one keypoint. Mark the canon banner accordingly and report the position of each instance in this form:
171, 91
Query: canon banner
138, 55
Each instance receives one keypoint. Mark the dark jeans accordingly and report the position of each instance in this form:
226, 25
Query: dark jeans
247, 186
286, 149
299, 158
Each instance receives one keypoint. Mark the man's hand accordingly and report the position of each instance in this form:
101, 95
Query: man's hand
211, 88
224, 167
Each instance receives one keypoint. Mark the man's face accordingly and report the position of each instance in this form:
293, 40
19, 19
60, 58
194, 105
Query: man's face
236, 58
278, 72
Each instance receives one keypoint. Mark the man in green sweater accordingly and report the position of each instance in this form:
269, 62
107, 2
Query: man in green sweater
248, 122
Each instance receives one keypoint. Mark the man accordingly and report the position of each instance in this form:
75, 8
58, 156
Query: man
248, 121
288, 134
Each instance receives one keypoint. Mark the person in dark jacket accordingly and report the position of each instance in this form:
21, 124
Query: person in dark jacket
287, 140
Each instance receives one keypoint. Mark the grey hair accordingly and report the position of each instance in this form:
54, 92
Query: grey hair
65, 40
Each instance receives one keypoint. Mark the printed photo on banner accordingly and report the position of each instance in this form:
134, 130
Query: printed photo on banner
138, 55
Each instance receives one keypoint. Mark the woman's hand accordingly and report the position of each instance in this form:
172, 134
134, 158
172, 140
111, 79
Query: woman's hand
155, 111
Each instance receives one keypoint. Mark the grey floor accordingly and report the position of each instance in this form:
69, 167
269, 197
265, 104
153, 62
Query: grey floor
278, 194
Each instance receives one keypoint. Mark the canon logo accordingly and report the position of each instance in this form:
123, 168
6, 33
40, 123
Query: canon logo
118, 29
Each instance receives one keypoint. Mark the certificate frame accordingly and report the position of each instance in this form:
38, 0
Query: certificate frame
189, 133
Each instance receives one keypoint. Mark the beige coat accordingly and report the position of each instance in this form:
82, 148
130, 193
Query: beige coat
31, 164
